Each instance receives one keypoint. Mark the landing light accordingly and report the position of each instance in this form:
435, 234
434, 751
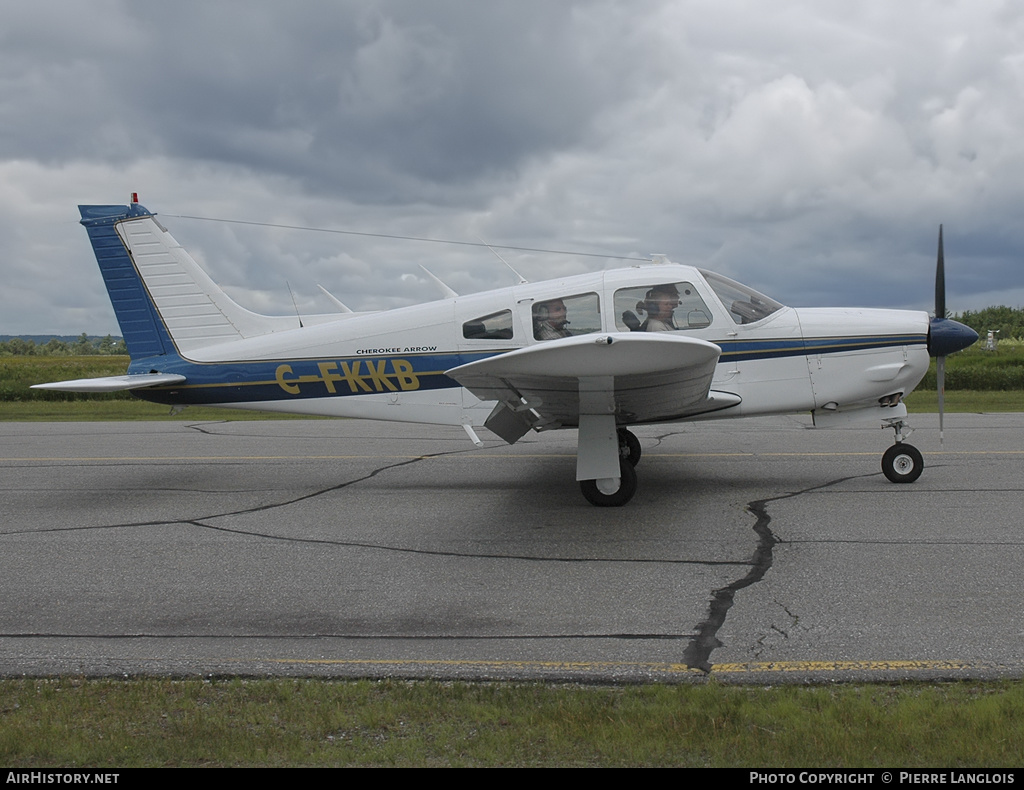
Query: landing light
891, 400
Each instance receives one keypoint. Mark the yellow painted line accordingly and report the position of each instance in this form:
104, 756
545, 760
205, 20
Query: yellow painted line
848, 666
218, 458
469, 455
662, 668
548, 665
824, 455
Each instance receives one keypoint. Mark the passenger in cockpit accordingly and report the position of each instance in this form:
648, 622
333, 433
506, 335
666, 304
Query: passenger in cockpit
549, 320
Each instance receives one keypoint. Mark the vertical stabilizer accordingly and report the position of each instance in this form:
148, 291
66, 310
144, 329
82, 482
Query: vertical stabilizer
164, 302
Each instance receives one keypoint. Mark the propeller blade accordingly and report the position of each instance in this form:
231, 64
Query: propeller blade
940, 312
940, 383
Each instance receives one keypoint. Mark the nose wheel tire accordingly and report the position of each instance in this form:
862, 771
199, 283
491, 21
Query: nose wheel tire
902, 463
627, 487
629, 447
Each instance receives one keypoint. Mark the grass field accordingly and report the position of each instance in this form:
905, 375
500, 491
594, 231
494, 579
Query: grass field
971, 401
115, 723
920, 401
127, 411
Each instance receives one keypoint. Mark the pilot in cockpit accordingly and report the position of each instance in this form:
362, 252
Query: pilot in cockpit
549, 320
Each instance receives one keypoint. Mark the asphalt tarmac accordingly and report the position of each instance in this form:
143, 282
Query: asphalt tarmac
754, 551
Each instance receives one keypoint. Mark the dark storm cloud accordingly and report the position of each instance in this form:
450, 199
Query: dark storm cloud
389, 101
810, 148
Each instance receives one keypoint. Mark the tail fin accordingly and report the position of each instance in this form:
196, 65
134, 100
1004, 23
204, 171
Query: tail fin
164, 302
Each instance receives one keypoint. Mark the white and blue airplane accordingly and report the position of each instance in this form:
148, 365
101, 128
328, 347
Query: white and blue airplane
600, 352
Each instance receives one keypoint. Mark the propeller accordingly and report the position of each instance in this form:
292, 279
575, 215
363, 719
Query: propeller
940, 312
945, 336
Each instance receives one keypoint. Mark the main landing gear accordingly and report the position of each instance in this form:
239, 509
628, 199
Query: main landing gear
629, 447
605, 493
902, 463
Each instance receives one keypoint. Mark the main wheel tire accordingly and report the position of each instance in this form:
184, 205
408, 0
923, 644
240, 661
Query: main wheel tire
629, 447
902, 463
627, 487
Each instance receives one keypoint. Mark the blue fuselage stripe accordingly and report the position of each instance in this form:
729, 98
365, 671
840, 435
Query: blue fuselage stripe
741, 350
274, 380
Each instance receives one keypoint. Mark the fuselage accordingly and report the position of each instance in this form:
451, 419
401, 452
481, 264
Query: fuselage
391, 365
598, 352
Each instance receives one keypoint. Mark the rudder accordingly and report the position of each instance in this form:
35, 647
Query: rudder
144, 333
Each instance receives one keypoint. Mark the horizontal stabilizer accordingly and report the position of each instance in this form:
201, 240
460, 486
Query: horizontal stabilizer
113, 383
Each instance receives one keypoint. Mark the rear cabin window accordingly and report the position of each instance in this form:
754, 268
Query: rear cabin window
496, 326
660, 307
566, 316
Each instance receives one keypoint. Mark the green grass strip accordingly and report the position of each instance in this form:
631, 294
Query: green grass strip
919, 402
966, 401
150, 722
129, 411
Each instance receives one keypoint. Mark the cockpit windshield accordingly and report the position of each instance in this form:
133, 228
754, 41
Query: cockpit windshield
745, 305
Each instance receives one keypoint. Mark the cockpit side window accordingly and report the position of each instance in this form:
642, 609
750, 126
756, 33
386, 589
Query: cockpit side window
660, 307
744, 304
496, 326
566, 316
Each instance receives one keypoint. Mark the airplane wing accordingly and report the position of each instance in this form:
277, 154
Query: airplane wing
113, 383
637, 377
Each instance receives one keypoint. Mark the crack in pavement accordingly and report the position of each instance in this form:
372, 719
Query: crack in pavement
378, 546
661, 437
469, 555
763, 639
199, 427
202, 522
257, 509
207, 429
698, 653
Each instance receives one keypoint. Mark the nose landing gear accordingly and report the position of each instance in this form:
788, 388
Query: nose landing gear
902, 463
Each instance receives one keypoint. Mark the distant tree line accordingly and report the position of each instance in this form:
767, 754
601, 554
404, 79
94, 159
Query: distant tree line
55, 347
1009, 321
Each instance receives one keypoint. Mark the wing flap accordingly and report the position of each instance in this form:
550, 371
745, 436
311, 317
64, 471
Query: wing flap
113, 383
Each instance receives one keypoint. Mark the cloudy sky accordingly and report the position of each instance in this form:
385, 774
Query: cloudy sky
807, 147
